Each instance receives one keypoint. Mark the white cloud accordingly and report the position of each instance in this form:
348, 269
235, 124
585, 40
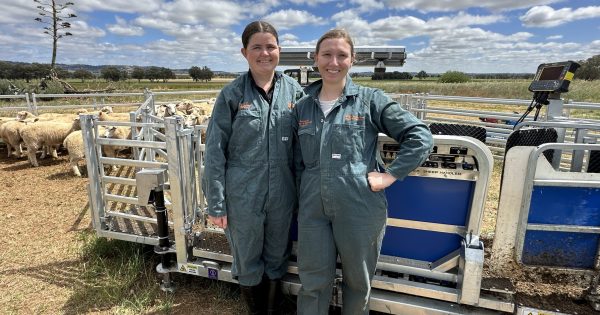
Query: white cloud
401, 27
157, 23
217, 13
545, 16
311, 3
288, 39
368, 5
454, 43
124, 29
288, 36
287, 19
81, 29
477, 50
456, 5
553, 37
118, 5
17, 11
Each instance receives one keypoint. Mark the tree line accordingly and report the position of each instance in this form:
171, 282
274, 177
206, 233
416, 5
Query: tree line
38, 71
590, 70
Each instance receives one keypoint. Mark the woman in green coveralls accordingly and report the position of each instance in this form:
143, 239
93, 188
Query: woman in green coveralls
342, 206
248, 179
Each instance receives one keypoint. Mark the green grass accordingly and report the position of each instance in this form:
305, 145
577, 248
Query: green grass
119, 276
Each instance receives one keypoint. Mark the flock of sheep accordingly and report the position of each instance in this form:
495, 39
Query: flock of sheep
45, 133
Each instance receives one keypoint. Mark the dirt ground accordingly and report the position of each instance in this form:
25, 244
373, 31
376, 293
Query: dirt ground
42, 211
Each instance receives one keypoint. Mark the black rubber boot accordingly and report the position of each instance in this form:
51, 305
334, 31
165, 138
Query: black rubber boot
274, 297
253, 296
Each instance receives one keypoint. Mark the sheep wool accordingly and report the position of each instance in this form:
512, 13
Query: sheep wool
51, 134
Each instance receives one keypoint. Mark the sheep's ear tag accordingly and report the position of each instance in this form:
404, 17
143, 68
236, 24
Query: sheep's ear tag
149, 180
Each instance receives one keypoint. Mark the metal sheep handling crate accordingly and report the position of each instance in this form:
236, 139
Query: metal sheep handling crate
432, 259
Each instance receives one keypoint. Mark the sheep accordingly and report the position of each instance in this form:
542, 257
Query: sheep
195, 119
105, 109
11, 133
206, 107
160, 110
51, 134
115, 133
185, 106
74, 145
56, 117
104, 116
167, 110
24, 115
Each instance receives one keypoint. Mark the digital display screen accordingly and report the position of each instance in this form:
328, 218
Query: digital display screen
551, 73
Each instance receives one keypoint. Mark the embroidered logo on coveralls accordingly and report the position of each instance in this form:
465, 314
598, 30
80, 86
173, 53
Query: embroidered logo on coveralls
304, 123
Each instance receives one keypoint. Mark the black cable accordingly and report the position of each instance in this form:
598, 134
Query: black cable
527, 111
537, 111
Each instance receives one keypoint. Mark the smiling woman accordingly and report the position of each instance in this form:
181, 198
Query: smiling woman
248, 181
342, 206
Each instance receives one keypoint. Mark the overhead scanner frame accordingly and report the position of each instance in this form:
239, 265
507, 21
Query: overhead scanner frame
390, 56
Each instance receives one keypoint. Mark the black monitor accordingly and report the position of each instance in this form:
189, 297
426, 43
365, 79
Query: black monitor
553, 77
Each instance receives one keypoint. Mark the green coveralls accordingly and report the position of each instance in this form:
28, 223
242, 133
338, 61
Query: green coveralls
338, 212
248, 174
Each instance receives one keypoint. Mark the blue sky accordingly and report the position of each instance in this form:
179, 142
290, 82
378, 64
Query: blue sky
462, 35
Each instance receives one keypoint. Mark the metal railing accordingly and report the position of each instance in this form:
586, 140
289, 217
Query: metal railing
498, 124
36, 103
429, 108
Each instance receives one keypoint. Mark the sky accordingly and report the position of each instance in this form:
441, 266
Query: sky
475, 36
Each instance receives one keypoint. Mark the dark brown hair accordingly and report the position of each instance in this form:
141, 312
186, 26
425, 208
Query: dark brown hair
336, 33
258, 27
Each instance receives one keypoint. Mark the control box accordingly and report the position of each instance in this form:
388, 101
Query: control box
445, 161
553, 77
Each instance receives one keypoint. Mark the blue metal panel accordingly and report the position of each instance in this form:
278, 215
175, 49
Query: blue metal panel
565, 205
426, 199
579, 206
560, 249
418, 244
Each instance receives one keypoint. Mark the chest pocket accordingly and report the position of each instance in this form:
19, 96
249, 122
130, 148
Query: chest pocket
309, 145
285, 127
246, 129
348, 142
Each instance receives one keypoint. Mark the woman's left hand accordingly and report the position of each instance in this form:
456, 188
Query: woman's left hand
380, 181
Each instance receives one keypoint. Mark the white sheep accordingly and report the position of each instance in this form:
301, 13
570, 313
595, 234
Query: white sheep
74, 145
104, 116
56, 117
167, 110
104, 109
51, 134
25, 115
115, 133
10, 132
185, 106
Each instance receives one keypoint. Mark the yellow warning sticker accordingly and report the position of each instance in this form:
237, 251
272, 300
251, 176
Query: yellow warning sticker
182, 268
569, 76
